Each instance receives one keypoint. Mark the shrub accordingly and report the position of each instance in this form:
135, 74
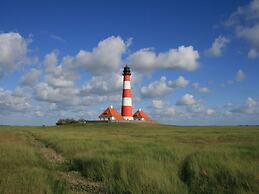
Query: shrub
70, 121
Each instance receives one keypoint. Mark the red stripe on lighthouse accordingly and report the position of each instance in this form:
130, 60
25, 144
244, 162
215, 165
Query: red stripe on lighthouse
126, 78
126, 93
126, 111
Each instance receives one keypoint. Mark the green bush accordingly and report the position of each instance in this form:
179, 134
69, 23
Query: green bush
66, 121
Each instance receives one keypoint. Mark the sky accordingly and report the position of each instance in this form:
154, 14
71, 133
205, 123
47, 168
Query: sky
192, 62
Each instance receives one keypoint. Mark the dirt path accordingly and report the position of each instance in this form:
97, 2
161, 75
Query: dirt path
77, 183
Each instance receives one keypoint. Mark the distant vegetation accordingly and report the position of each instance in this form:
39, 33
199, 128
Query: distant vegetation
79, 122
129, 158
70, 121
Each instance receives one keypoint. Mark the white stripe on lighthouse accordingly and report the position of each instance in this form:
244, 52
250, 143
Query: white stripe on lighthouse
126, 85
126, 102
128, 118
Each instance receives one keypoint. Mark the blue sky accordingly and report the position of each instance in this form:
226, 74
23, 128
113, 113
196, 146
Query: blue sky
193, 63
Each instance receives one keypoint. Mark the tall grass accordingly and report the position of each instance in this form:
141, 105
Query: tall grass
22, 169
147, 158
214, 172
124, 175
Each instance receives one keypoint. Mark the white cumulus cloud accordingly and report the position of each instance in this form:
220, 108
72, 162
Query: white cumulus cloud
251, 34
106, 57
245, 21
103, 85
183, 57
158, 104
13, 52
210, 111
30, 78
181, 82
13, 101
47, 93
59, 75
187, 99
250, 106
200, 88
164, 110
162, 87
217, 46
156, 89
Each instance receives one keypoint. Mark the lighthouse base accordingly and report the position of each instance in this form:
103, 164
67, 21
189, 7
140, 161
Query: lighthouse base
128, 118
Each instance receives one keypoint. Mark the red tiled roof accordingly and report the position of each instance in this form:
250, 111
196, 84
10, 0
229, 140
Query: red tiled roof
141, 114
111, 112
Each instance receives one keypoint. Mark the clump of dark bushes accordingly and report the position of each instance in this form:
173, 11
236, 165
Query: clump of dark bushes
70, 121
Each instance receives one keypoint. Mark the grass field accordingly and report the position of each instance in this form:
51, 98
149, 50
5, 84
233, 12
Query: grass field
129, 158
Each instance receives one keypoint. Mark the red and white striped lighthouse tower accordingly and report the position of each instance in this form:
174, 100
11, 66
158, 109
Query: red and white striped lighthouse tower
126, 107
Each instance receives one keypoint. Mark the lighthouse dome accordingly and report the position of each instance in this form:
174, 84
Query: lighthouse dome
126, 70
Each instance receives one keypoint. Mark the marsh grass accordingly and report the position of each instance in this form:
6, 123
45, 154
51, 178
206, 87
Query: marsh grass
23, 170
136, 158
213, 172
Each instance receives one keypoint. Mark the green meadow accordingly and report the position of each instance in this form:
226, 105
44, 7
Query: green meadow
129, 158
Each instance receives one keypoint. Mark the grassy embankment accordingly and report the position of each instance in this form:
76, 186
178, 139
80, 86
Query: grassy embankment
129, 158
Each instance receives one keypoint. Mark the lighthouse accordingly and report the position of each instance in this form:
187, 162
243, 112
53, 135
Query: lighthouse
126, 107
110, 114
